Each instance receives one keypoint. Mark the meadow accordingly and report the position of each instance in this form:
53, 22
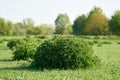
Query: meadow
109, 53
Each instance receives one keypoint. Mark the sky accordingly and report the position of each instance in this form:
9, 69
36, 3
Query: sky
46, 11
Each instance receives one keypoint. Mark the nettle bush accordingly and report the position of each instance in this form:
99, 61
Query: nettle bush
64, 53
24, 49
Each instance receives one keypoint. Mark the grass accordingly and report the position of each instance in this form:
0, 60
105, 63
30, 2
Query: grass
20, 70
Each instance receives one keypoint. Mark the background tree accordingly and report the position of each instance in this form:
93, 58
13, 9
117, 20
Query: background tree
9, 28
6, 28
42, 29
2, 26
96, 23
79, 24
50, 29
19, 29
62, 23
28, 22
115, 23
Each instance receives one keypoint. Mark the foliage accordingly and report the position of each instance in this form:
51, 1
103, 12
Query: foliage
79, 24
96, 23
12, 43
115, 23
63, 53
6, 28
28, 22
19, 29
20, 70
42, 29
2, 25
9, 28
62, 23
24, 48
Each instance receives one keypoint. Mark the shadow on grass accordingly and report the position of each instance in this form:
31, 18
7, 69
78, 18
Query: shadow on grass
4, 60
21, 68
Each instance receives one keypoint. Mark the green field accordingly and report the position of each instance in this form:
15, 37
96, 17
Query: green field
20, 70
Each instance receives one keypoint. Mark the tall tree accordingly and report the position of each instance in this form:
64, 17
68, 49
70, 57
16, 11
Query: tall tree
79, 24
19, 29
115, 23
9, 28
2, 26
62, 23
6, 28
28, 22
96, 23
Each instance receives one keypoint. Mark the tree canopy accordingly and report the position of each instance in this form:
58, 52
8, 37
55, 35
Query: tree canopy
96, 23
115, 23
63, 25
79, 24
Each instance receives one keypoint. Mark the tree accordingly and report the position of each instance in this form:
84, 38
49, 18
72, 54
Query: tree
79, 24
2, 26
28, 22
9, 28
62, 23
19, 29
50, 29
6, 28
115, 23
43, 29
96, 23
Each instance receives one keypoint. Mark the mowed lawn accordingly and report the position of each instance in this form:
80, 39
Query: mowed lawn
20, 70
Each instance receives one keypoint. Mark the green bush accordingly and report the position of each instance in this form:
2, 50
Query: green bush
63, 53
11, 44
24, 49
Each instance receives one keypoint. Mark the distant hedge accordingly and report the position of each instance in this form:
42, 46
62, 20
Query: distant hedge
63, 53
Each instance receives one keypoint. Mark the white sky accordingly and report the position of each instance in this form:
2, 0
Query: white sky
46, 11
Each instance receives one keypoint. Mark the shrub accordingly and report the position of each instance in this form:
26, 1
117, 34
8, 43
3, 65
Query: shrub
63, 53
24, 49
11, 44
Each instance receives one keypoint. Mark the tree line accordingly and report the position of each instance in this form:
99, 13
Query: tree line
94, 23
